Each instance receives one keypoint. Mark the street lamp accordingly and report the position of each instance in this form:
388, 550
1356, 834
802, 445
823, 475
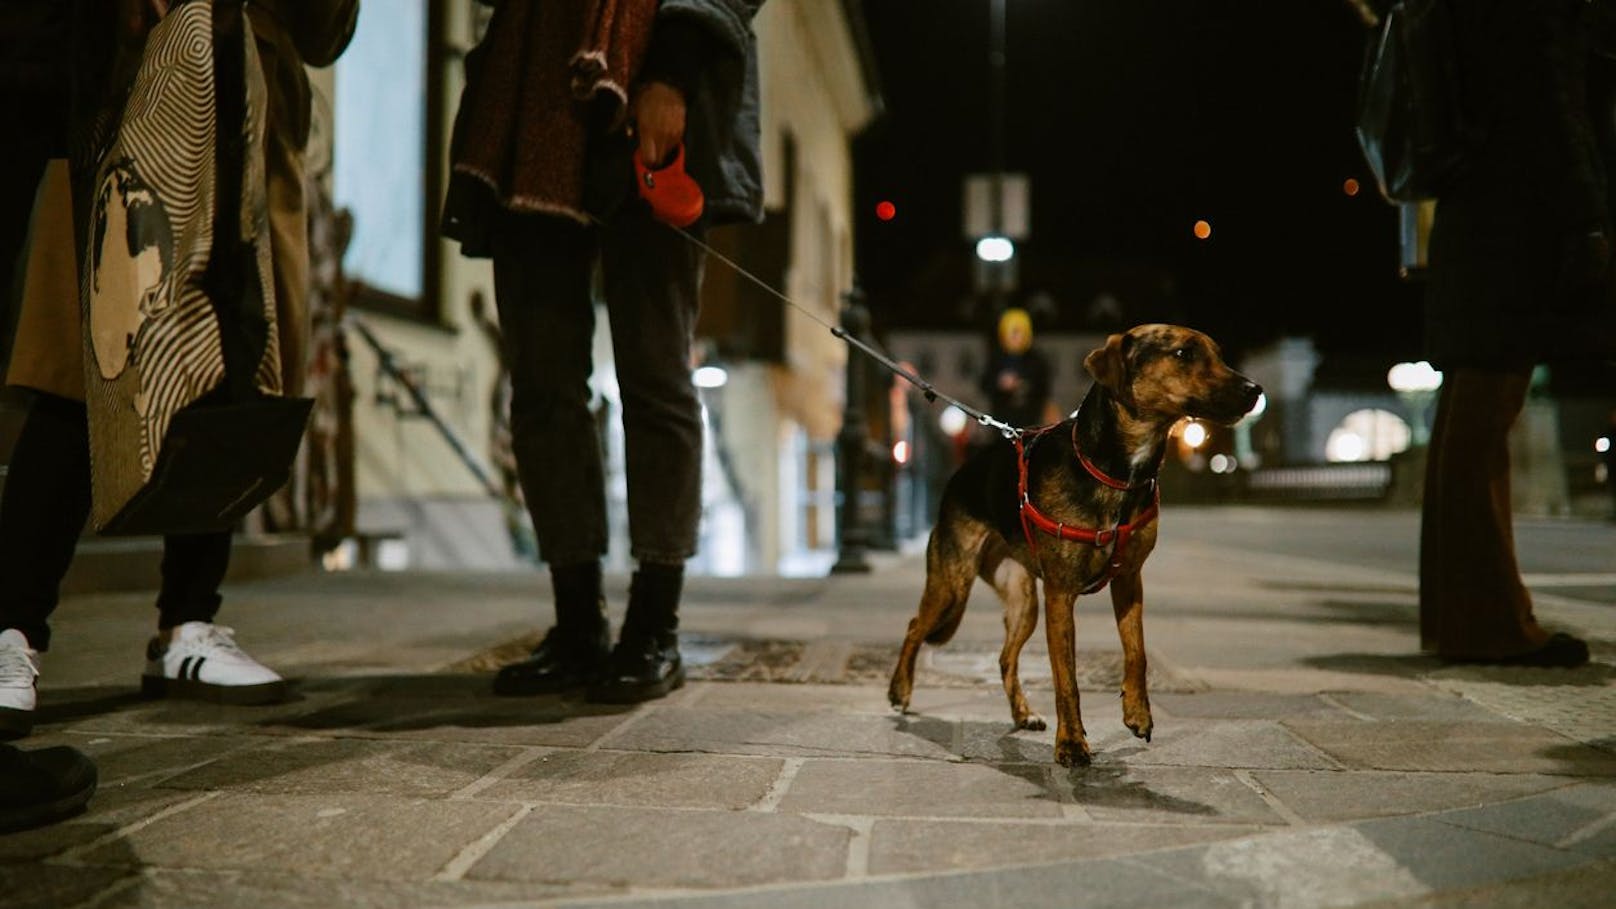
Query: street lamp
995, 249
1416, 384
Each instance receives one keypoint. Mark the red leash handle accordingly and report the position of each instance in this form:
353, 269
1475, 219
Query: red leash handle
674, 197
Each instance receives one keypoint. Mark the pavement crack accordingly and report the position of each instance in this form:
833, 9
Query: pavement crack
477, 849
1273, 801
499, 773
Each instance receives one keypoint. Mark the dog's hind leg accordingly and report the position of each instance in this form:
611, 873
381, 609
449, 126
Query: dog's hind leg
1019, 590
951, 563
1060, 627
1128, 602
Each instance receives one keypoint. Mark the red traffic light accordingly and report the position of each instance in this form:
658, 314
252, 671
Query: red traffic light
885, 210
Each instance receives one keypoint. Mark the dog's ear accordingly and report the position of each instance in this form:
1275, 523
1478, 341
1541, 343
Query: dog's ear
1109, 367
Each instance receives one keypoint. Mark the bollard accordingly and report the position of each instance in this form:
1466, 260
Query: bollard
851, 536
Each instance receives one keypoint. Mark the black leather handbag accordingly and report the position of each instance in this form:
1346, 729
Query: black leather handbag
1411, 121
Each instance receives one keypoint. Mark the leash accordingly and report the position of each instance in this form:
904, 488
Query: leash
930, 391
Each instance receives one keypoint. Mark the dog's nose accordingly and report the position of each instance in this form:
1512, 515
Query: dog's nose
1252, 391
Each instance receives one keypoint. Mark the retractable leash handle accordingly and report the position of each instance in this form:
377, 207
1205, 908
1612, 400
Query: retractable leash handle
675, 198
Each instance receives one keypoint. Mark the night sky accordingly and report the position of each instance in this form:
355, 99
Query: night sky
1134, 120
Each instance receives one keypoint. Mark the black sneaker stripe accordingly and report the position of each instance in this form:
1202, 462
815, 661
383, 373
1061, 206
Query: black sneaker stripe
185, 665
196, 669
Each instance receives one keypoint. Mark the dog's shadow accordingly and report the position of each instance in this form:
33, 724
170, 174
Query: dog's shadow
1105, 784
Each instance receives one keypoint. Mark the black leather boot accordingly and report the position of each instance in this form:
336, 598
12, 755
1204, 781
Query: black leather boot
574, 653
645, 663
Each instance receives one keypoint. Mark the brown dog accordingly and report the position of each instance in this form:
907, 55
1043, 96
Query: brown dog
1073, 505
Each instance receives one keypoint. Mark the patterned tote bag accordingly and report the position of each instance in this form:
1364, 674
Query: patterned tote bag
188, 426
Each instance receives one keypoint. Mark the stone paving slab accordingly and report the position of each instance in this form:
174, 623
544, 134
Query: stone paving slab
1579, 818
1587, 887
1462, 747
651, 848
52, 887
161, 889
1321, 796
638, 780
921, 789
143, 759
1101, 884
1434, 705
1165, 795
547, 721
915, 846
341, 835
777, 733
112, 808
1378, 860
350, 765
1249, 744
1238, 705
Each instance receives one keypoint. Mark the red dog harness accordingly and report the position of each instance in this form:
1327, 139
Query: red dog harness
1115, 537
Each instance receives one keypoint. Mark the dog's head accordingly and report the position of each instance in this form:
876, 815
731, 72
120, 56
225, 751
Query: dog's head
1168, 372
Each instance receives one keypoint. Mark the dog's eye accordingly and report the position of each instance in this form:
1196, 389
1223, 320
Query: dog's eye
1184, 353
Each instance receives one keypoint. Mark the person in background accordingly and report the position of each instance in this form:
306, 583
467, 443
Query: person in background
46, 498
559, 96
1016, 380
1520, 274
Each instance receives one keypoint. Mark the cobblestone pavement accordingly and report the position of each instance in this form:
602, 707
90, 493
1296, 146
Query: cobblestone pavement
1304, 755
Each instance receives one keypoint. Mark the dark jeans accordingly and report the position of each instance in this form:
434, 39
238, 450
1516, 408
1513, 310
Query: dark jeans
42, 514
651, 279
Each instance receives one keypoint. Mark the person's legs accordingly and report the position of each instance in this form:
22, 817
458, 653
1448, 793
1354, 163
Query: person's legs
542, 269
42, 513
1473, 604
192, 657
652, 285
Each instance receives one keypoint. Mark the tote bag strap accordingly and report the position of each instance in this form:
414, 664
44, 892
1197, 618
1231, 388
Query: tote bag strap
232, 281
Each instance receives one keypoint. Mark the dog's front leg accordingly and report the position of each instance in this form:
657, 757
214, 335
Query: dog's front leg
1128, 602
1060, 626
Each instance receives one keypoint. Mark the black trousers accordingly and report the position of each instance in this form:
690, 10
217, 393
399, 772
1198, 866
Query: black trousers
651, 278
42, 514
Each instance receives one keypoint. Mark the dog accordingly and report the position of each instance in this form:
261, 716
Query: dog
1073, 505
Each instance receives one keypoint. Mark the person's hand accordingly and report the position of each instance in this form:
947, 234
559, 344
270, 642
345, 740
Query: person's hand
659, 121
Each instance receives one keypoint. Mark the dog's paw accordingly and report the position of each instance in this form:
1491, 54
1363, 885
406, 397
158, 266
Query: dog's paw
1136, 716
1073, 753
1030, 721
898, 697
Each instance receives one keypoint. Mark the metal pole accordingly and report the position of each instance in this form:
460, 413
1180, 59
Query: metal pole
851, 537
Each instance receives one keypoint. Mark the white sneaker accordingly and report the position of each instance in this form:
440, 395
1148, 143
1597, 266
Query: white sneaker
203, 662
19, 672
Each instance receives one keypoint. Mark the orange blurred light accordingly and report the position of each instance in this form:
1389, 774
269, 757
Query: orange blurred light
1350, 187
885, 210
1203, 230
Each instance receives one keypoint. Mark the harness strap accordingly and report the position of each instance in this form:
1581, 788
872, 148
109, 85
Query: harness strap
1116, 537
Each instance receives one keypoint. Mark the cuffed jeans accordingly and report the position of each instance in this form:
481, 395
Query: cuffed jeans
42, 514
651, 279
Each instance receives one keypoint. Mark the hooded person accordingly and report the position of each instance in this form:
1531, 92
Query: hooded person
1016, 380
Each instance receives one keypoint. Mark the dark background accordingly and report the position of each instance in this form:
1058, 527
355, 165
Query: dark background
1133, 120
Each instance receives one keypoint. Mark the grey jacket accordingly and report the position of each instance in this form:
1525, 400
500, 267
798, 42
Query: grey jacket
722, 132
